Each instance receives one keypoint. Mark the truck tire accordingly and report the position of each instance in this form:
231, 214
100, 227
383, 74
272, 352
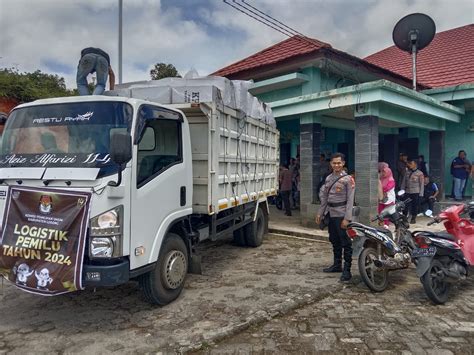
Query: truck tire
163, 284
255, 231
239, 237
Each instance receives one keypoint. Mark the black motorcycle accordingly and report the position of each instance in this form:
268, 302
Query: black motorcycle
379, 250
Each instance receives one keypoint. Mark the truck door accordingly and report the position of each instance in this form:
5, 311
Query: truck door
159, 177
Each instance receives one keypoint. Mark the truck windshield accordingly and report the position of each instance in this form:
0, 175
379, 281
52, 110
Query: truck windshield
64, 135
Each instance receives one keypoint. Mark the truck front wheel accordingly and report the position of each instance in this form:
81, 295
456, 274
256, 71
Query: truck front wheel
255, 231
164, 284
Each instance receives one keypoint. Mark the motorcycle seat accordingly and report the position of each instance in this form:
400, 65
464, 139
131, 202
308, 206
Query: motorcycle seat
445, 235
384, 231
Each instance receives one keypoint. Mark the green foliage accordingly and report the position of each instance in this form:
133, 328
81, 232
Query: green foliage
162, 70
31, 86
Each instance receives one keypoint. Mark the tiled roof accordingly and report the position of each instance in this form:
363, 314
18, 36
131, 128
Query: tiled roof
447, 61
292, 47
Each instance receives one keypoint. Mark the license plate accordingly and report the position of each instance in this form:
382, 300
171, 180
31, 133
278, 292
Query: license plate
420, 252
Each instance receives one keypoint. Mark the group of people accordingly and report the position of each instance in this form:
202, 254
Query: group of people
337, 190
413, 178
289, 179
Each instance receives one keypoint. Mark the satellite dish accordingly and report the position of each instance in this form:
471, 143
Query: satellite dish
413, 33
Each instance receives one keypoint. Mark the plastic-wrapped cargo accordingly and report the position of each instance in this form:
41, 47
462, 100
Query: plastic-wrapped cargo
233, 94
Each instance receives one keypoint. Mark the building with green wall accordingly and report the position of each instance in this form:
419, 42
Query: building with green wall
325, 100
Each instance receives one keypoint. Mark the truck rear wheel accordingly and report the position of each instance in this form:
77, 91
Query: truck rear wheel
239, 237
164, 284
255, 231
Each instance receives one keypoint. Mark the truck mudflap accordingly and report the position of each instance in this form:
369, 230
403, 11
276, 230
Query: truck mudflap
106, 275
358, 245
423, 264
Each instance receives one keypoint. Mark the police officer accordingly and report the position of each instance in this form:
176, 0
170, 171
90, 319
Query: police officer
414, 186
337, 199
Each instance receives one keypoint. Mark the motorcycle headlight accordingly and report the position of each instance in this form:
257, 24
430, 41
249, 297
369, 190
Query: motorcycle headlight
105, 237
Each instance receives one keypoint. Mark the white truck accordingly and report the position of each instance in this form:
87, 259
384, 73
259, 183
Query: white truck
162, 178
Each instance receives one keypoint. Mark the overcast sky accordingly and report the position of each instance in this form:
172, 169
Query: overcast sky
201, 34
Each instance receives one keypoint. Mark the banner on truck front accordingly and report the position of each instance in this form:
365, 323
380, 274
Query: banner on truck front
43, 238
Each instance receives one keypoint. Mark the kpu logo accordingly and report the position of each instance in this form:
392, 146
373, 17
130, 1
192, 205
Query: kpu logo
46, 204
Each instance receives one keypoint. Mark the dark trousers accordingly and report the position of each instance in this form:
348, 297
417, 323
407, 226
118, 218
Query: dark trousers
285, 195
426, 203
414, 206
341, 243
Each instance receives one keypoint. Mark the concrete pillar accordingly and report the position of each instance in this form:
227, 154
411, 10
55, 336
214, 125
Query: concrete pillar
310, 141
437, 159
390, 151
366, 159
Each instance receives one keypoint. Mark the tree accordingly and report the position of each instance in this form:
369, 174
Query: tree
162, 70
26, 87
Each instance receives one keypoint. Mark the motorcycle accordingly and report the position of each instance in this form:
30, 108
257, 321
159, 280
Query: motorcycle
445, 258
379, 250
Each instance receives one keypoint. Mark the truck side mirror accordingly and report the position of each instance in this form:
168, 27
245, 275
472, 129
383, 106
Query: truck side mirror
120, 148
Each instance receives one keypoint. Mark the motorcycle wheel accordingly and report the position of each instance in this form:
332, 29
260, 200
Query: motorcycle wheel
374, 277
433, 282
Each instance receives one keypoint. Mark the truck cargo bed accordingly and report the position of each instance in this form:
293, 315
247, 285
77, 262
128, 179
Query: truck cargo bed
235, 157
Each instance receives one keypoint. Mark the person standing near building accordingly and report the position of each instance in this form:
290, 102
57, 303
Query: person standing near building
460, 168
285, 188
98, 61
324, 171
422, 164
337, 199
401, 168
387, 186
468, 177
414, 185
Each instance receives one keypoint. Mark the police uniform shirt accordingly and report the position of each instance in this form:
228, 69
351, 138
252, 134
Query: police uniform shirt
338, 202
414, 182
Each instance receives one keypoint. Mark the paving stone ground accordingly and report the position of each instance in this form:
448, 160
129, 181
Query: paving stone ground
272, 299
239, 287
400, 320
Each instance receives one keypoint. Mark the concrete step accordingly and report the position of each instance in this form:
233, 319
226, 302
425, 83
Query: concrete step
296, 232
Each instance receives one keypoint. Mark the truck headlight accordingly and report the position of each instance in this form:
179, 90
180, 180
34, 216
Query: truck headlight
108, 220
105, 237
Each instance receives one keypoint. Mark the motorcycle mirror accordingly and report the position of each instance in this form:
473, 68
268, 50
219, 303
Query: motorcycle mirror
401, 193
429, 213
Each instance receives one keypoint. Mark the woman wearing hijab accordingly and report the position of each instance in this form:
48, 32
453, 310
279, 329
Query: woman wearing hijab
386, 188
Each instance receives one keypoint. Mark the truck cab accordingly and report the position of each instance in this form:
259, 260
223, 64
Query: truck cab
74, 144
